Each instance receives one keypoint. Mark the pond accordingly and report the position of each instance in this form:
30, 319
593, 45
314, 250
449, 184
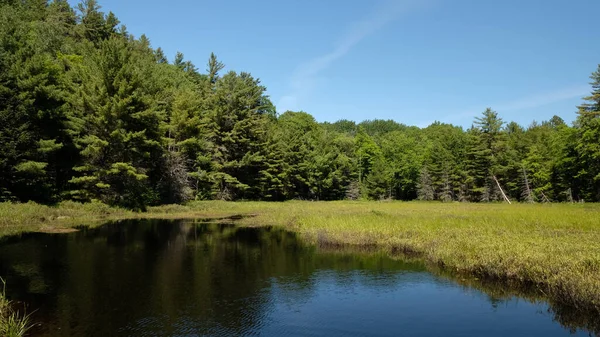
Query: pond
183, 278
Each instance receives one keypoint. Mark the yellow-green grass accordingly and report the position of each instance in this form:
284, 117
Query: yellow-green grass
17, 218
553, 247
12, 322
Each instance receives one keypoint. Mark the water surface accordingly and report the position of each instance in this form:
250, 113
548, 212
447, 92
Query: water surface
177, 278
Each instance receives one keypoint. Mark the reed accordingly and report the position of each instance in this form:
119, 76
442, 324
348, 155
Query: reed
12, 322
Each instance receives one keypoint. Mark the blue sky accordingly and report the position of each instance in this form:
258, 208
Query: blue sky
414, 61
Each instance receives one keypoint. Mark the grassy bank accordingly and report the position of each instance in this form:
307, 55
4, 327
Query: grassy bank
31, 217
554, 247
12, 322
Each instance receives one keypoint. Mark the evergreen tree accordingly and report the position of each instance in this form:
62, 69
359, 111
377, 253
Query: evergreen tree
33, 162
298, 136
487, 154
117, 126
588, 147
379, 181
239, 113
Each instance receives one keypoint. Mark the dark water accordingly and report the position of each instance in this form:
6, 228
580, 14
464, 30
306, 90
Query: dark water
173, 278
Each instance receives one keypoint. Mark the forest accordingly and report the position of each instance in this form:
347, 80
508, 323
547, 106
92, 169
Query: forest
90, 112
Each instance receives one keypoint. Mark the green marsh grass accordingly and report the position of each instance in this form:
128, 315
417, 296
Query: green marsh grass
553, 248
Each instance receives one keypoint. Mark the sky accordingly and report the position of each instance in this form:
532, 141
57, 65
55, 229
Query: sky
413, 61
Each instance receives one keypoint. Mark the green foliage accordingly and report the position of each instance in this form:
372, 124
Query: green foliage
88, 112
403, 152
342, 126
379, 182
588, 147
378, 126
367, 152
117, 125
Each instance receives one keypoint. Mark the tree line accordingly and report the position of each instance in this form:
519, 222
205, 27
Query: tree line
90, 112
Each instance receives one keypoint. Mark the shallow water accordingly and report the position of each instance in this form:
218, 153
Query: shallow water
177, 278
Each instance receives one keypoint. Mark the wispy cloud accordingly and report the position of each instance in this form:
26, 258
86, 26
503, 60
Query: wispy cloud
545, 98
305, 77
528, 102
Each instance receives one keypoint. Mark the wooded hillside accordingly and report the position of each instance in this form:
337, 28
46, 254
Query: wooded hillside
88, 111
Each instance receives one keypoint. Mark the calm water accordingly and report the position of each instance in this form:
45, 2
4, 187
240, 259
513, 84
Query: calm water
173, 278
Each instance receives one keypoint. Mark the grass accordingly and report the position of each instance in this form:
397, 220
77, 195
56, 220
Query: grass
12, 323
554, 248
16, 218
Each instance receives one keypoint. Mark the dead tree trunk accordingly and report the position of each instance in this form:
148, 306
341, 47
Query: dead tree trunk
527, 195
545, 198
569, 193
501, 190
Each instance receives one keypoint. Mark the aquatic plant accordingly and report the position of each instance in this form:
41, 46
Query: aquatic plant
12, 322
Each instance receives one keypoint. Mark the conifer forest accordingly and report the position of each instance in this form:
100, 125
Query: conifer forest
90, 112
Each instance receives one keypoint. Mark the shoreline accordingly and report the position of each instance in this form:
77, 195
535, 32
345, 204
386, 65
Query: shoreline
552, 248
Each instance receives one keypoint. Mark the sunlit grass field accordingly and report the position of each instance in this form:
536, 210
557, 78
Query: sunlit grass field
553, 247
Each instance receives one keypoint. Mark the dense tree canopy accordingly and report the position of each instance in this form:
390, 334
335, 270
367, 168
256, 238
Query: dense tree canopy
90, 112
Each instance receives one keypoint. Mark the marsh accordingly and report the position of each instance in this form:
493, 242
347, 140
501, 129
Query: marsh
193, 278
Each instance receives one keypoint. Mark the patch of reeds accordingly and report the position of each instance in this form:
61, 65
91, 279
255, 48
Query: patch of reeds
12, 322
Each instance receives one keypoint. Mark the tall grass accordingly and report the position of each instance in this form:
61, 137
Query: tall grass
22, 217
17, 218
12, 323
552, 247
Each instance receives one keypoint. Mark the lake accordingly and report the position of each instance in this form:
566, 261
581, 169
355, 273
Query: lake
186, 278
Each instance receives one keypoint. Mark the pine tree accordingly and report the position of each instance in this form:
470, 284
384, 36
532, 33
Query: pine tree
378, 182
239, 112
117, 127
297, 135
588, 146
486, 155
33, 157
